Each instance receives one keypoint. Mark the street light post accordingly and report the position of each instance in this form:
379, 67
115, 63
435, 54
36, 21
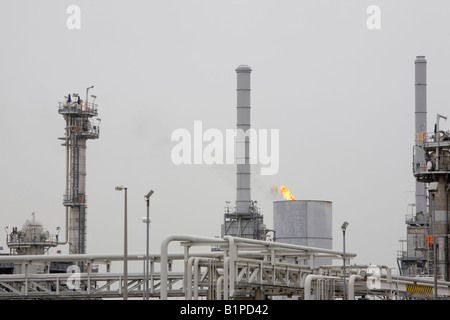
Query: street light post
344, 227
147, 266
125, 247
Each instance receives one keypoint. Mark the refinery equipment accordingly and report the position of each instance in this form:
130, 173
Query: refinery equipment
80, 127
245, 220
415, 260
296, 264
427, 231
305, 223
31, 240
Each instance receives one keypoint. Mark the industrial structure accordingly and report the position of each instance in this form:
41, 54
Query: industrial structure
305, 223
241, 264
242, 269
33, 239
427, 240
245, 220
80, 127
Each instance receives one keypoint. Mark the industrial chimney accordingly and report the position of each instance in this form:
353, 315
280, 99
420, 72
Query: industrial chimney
243, 192
245, 221
420, 129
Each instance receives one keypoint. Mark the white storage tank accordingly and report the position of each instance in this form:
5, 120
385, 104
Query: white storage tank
304, 222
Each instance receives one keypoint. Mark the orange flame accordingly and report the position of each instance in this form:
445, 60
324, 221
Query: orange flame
286, 193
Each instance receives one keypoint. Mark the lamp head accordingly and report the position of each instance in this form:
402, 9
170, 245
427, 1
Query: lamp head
149, 194
344, 225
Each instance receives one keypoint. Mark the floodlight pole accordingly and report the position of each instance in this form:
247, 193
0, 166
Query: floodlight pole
344, 227
125, 247
147, 265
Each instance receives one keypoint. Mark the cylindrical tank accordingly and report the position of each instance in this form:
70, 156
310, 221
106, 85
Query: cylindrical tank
304, 222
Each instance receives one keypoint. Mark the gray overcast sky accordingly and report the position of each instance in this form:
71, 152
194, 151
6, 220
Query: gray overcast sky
341, 95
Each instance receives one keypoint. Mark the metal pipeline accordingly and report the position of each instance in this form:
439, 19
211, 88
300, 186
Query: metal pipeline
229, 268
67, 228
226, 264
351, 285
67, 188
164, 254
193, 261
196, 274
310, 278
219, 288
270, 244
188, 281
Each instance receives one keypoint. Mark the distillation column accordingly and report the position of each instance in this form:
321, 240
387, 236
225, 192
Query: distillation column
79, 128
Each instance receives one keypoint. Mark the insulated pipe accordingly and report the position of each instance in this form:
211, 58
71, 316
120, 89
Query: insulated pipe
188, 284
196, 274
219, 288
193, 286
226, 264
233, 242
77, 257
420, 127
243, 192
312, 277
420, 280
196, 271
437, 138
67, 228
67, 186
351, 285
164, 255
277, 245
233, 256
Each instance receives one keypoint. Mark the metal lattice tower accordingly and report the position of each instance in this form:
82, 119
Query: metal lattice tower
80, 126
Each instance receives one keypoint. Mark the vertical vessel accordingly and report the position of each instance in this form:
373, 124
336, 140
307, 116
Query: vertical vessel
80, 126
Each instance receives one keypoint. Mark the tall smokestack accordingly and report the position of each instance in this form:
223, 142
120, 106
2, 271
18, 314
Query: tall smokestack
245, 221
243, 192
420, 128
